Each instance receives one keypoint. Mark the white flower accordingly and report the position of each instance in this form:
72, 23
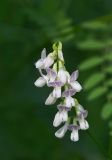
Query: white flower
45, 62
72, 81
62, 76
57, 92
50, 100
51, 74
40, 82
57, 88
61, 115
57, 120
48, 61
40, 63
50, 77
68, 99
74, 135
61, 132
83, 124
81, 115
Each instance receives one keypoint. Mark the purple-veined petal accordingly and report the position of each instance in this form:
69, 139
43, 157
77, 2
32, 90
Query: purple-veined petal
69, 92
82, 114
55, 84
74, 76
51, 73
72, 127
58, 83
76, 86
74, 136
63, 107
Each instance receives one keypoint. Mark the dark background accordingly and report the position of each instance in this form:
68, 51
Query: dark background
26, 131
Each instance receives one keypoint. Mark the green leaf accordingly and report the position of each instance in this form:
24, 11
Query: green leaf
97, 92
91, 44
108, 69
93, 80
109, 42
107, 110
110, 96
108, 56
95, 25
90, 63
109, 82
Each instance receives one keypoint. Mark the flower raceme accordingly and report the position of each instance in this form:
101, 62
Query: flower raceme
65, 86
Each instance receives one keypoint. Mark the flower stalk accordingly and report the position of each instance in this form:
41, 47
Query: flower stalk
65, 86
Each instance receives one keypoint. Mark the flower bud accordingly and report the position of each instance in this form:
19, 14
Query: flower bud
50, 100
40, 82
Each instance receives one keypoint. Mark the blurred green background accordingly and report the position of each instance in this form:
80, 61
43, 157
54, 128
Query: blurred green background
28, 26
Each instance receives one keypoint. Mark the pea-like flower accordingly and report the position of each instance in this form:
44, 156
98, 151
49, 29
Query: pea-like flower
64, 87
61, 132
82, 114
45, 62
74, 134
68, 97
72, 81
61, 115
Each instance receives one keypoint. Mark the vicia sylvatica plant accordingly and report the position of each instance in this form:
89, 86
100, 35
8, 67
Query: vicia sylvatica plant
65, 86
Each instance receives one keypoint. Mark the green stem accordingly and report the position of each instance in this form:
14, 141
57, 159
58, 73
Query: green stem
110, 147
102, 150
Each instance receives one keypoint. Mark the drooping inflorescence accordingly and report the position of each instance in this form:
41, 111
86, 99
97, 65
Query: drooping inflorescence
65, 86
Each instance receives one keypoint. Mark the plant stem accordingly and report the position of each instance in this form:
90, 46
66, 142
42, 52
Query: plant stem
110, 147
102, 150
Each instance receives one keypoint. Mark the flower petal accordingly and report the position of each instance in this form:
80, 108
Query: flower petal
51, 74
69, 102
48, 61
69, 92
63, 107
40, 82
61, 132
39, 64
57, 120
64, 115
62, 76
74, 76
76, 86
43, 54
74, 136
83, 124
57, 92
50, 100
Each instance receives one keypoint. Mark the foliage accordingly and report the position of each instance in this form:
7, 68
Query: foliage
99, 81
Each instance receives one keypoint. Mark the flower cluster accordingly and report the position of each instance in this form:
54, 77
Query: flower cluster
65, 86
